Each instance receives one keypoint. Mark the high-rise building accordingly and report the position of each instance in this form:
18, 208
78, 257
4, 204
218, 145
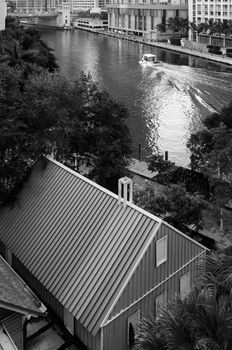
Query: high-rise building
3, 8
79, 5
141, 17
201, 11
38, 6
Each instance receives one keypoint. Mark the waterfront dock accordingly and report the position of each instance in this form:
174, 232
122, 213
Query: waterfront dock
140, 168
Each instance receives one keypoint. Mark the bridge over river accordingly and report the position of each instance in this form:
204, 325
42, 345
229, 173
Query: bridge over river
49, 20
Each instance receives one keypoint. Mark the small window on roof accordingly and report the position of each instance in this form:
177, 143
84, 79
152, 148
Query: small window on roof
161, 250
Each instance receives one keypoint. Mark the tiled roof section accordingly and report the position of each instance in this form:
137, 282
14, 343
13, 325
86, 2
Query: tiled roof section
76, 239
15, 293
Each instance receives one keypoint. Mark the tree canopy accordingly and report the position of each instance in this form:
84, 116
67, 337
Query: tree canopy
177, 202
176, 25
42, 112
212, 27
211, 152
23, 48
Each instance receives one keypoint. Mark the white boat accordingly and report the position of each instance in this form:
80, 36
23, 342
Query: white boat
149, 59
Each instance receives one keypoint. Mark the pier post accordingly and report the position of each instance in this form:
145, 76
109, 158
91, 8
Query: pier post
166, 155
140, 153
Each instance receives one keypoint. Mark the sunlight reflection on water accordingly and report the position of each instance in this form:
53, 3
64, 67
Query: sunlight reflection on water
166, 103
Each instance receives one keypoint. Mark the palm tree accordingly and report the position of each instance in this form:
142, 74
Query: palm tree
215, 273
203, 319
149, 336
15, 57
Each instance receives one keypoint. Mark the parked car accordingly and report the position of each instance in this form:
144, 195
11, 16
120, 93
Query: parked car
214, 49
229, 52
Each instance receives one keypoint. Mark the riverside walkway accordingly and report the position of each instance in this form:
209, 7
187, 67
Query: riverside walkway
180, 49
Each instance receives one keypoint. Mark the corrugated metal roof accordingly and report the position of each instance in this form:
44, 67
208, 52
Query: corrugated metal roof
76, 239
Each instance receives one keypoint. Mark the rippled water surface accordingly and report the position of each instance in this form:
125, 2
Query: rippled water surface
166, 103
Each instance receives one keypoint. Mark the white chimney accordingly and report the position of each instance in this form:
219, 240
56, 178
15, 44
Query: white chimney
125, 190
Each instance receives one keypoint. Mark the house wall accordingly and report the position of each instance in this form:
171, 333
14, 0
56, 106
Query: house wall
116, 331
180, 250
92, 342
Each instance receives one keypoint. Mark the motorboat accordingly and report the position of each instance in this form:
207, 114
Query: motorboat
149, 59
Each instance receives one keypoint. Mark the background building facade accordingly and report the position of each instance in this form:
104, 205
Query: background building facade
201, 11
80, 5
3, 7
39, 6
142, 16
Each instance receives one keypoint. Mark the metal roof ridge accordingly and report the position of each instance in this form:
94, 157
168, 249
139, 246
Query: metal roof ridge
82, 177
103, 189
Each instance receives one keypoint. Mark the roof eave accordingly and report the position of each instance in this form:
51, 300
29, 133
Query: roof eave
20, 309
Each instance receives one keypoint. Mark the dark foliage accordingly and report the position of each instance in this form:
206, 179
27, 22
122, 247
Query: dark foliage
24, 48
74, 120
202, 320
211, 153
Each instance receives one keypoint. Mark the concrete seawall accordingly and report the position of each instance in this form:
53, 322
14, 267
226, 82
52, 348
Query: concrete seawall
222, 59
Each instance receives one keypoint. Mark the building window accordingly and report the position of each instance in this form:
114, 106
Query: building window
132, 328
160, 302
163, 20
152, 23
184, 285
140, 22
161, 251
136, 22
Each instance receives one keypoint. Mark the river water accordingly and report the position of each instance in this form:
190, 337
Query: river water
166, 103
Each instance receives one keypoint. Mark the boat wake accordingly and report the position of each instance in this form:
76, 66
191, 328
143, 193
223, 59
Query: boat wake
175, 102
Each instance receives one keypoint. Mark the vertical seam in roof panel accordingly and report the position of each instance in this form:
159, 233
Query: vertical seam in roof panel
104, 263
40, 237
28, 221
59, 233
16, 224
78, 239
94, 256
74, 263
